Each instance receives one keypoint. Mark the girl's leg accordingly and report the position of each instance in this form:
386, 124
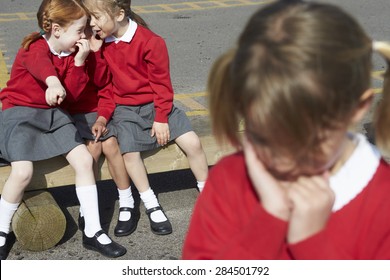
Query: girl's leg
192, 147
136, 169
93, 236
128, 216
12, 194
95, 149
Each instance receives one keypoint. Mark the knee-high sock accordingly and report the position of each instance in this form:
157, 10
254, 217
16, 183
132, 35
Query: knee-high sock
89, 204
7, 211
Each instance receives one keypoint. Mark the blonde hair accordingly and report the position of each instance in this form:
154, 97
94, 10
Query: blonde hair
113, 7
298, 70
62, 12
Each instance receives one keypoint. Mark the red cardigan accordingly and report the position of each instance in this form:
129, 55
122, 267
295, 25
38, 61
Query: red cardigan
140, 71
30, 69
229, 222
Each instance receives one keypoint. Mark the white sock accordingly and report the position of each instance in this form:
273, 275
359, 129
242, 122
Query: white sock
7, 211
88, 199
125, 200
200, 185
150, 200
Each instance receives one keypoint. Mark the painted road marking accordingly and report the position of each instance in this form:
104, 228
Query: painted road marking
158, 8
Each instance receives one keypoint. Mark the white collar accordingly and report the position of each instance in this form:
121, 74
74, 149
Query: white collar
356, 173
127, 37
62, 54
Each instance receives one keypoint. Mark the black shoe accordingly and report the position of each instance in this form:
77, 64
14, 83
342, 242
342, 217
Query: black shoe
124, 228
161, 228
4, 248
111, 250
81, 222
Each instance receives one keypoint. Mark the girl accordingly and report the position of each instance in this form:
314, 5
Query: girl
34, 128
91, 114
145, 116
303, 187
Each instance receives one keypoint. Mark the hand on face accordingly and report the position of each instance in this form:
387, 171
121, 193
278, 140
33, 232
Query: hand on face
82, 52
305, 204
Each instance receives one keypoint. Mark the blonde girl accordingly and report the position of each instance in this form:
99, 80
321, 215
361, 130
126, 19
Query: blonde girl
303, 186
49, 66
145, 116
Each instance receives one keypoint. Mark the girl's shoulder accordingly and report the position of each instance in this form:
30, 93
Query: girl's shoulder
146, 33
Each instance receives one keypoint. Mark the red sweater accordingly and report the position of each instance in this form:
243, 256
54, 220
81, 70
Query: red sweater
97, 95
30, 69
140, 71
229, 222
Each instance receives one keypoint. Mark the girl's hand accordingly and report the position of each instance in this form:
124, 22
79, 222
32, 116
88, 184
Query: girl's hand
272, 193
94, 43
312, 200
161, 131
99, 128
55, 92
82, 53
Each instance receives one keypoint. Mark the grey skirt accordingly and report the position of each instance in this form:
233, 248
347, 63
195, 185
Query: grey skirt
34, 134
134, 124
84, 123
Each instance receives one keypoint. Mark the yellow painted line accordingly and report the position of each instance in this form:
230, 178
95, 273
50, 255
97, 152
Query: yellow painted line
197, 113
180, 96
158, 8
4, 75
378, 74
191, 104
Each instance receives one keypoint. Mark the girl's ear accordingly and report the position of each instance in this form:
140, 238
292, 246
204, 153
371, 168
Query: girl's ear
56, 29
364, 105
121, 15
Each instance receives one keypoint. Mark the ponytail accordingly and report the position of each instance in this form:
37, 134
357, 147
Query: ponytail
223, 108
382, 114
138, 19
30, 39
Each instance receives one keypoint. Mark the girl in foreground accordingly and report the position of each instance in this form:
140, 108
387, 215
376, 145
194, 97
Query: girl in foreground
302, 186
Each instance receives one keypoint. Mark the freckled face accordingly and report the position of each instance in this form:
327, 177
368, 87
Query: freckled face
72, 34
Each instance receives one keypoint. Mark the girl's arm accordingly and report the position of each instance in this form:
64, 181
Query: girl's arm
229, 222
156, 57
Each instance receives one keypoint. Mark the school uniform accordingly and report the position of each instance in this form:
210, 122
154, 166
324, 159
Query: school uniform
229, 221
96, 99
142, 88
31, 129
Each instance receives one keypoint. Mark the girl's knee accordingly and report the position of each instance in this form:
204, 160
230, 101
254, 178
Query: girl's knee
110, 146
22, 174
81, 160
132, 157
190, 143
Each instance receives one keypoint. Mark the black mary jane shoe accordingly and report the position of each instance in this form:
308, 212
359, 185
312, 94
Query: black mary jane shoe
124, 228
161, 228
4, 248
111, 250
